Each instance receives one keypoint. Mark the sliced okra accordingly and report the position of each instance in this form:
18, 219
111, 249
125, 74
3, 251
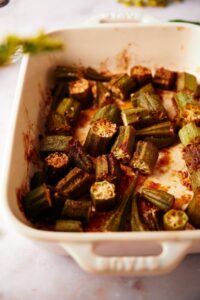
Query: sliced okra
59, 92
37, 179
150, 215
162, 142
164, 129
81, 91
92, 74
109, 112
68, 226
186, 82
76, 210
141, 75
164, 79
159, 198
122, 86
107, 168
189, 134
54, 143
56, 166
175, 220
103, 95
65, 73
70, 108
57, 124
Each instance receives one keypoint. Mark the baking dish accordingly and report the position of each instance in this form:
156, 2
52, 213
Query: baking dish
114, 42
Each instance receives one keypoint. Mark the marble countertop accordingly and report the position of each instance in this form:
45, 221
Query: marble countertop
30, 272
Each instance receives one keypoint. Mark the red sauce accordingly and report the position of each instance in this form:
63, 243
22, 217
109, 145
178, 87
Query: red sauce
157, 186
164, 162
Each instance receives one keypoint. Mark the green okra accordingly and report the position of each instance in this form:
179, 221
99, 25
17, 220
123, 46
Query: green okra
118, 218
189, 134
148, 88
76, 183
124, 144
134, 116
54, 143
159, 198
65, 73
37, 179
193, 210
164, 129
70, 108
164, 79
103, 95
92, 74
145, 157
141, 75
150, 214
79, 157
37, 202
109, 112
59, 92
122, 86
103, 195
186, 82
99, 137
175, 220
68, 226
76, 210
56, 165
81, 91
136, 222
195, 179
57, 124
162, 142
107, 168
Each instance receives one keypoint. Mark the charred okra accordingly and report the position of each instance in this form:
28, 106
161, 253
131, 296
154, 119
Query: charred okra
37, 202
134, 116
164, 79
145, 157
37, 179
92, 74
103, 95
117, 220
70, 108
68, 226
175, 220
54, 143
99, 137
189, 134
186, 82
79, 157
58, 124
109, 112
193, 210
122, 86
56, 166
107, 168
123, 146
82, 92
103, 195
141, 75
75, 183
76, 210
136, 222
195, 179
59, 92
164, 129
164, 142
66, 73
159, 198
150, 214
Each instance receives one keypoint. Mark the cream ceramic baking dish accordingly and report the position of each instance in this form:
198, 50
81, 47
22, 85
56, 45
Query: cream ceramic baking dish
113, 42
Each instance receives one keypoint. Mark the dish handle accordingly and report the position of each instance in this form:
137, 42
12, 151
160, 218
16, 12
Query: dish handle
124, 17
172, 254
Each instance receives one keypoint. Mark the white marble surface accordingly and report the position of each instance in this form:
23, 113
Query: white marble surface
29, 272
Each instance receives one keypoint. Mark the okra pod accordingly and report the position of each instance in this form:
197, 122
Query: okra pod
81, 91
186, 82
66, 73
79, 157
189, 134
56, 165
76, 210
145, 157
159, 198
122, 86
99, 137
164, 79
75, 183
103, 195
193, 210
58, 124
182, 99
136, 222
70, 108
37, 202
141, 75
37, 179
175, 220
68, 226
107, 168
117, 220
54, 143
164, 142
148, 88
59, 92
150, 214
195, 179
109, 112
133, 116
92, 74
164, 129
189, 108
103, 95
123, 146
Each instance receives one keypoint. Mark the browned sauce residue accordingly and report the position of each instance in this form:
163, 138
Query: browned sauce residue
164, 162
181, 202
185, 179
157, 186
